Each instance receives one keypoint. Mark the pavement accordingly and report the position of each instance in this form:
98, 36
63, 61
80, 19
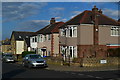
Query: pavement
78, 68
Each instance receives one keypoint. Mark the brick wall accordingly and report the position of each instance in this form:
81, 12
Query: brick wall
92, 51
111, 61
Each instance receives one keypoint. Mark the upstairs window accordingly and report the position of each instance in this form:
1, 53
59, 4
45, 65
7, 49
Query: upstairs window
45, 38
49, 37
115, 31
41, 38
35, 39
69, 31
62, 32
20, 37
32, 39
38, 38
26, 36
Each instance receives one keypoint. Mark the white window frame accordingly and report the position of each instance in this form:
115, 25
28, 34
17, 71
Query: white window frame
74, 28
49, 37
116, 30
74, 51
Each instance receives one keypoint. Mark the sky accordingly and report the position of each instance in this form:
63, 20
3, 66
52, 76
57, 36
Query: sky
32, 16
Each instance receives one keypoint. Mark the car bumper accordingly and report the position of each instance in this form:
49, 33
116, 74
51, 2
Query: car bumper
10, 60
39, 65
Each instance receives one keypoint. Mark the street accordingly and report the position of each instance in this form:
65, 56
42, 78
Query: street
15, 71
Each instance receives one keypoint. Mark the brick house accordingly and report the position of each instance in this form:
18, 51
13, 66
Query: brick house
89, 34
48, 39
20, 41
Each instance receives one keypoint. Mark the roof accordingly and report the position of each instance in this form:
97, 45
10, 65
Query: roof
51, 28
22, 36
86, 17
6, 43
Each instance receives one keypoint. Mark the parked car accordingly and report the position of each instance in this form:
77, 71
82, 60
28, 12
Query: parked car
34, 60
8, 57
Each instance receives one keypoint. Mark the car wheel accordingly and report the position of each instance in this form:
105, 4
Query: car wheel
29, 66
23, 64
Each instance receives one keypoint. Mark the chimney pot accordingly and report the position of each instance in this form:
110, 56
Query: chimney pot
95, 9
52, 21
100, 11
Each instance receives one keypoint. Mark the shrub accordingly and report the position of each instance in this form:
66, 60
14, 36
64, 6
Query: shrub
115, 52
75, 60
27, 52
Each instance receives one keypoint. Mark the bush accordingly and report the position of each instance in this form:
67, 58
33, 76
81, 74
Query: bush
115, 52
75, 60
27, 52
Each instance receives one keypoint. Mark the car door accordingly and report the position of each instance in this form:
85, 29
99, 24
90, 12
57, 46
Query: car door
27, 60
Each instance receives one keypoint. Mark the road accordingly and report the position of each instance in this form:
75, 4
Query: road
15, 71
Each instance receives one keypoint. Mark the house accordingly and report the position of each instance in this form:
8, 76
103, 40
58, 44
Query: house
33, 42
20, 41
89, 34
48, 39
5, 46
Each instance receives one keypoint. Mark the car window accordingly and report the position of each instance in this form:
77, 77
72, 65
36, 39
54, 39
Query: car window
8, 55
35, 56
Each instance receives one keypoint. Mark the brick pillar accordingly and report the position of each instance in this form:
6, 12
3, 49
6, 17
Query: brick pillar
95, 30
52, 43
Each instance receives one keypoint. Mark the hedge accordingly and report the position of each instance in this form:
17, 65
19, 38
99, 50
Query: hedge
27, 52
114, 52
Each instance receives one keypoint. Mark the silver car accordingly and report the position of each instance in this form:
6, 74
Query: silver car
34, 60
8, 57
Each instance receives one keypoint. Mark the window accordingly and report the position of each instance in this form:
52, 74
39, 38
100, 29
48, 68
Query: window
115, 31
49, 37
41, 38
38, 38
35, 39
48, 53
74, 31
26, 36
44, 37
70, 32
62, 32
19, 36
69, 51
32, 39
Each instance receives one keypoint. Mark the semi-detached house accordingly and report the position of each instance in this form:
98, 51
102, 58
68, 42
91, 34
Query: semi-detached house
47, 39
20, 41
89, 34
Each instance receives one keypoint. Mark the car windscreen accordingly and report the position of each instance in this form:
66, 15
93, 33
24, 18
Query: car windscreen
35, 56
8, 55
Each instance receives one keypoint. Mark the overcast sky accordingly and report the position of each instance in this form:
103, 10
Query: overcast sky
32, 16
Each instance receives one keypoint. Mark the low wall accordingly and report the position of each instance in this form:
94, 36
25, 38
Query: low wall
89, 62
108, 61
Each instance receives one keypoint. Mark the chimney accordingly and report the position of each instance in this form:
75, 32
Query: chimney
95, 9
100, 11
52, 21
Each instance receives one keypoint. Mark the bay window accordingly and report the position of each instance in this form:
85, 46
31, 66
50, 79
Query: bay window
49, 37
69, 50
70, 31
115, 31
